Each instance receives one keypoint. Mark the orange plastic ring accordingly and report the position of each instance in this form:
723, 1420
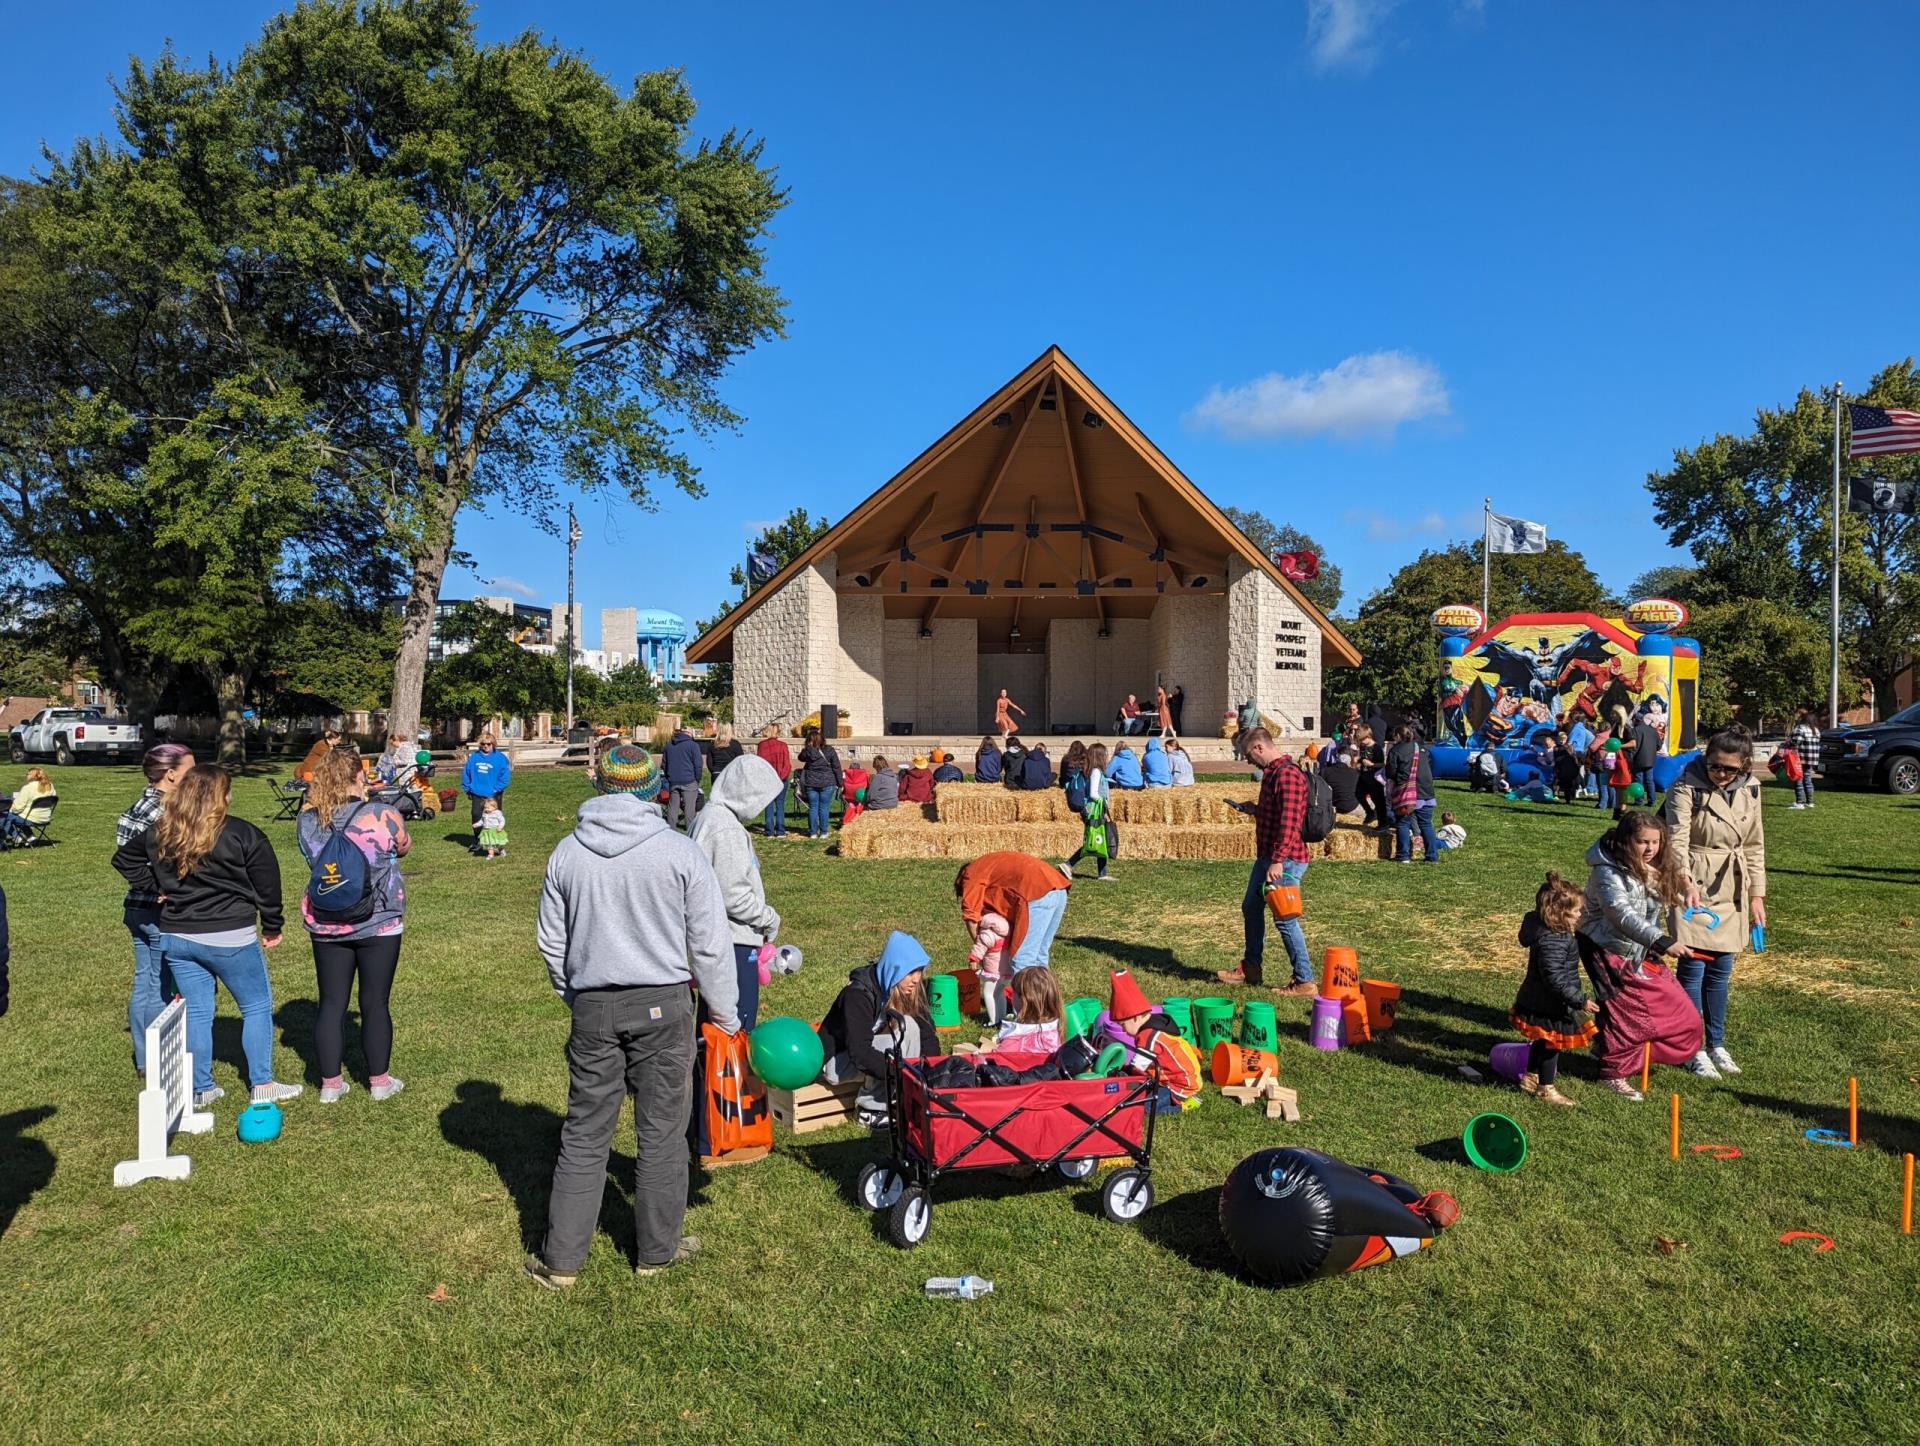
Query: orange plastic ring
1718, 1152
1826, 1241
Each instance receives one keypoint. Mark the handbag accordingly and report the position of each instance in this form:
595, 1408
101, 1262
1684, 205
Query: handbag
1406, 797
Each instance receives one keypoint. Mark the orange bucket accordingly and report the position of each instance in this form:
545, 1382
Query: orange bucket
1354, 1012
970, 1002
1382, 1001
1236, 1064
1284, 900
1340, 974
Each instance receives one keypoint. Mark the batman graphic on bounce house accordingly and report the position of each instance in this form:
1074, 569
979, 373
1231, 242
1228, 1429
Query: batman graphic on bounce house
1503, 685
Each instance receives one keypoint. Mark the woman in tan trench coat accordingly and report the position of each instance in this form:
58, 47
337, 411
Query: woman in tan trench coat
1720, 847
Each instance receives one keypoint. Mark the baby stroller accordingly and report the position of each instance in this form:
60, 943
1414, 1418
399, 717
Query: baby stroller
1064, 1125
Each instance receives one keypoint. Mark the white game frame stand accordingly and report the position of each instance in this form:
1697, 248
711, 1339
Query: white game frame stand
166, 1104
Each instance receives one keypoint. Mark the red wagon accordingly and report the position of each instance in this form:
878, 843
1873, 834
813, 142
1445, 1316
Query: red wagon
1067, 1126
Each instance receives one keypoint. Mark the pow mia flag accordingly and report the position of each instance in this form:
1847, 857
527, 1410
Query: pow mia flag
1880, 494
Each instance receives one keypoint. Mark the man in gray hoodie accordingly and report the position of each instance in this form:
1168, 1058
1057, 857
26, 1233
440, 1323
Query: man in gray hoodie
627, 903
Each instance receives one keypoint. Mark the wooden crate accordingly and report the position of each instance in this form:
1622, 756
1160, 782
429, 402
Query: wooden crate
814, 1107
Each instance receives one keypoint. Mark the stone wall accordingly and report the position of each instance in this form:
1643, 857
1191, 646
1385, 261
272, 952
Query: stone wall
1088, 676
786, 653
930, 682
1189, 647
1273, 650
860, 691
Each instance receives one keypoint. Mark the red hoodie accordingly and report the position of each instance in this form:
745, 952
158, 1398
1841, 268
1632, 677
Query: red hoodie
774, 750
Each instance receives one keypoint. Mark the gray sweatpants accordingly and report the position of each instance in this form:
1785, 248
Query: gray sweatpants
682, 797
624, 1042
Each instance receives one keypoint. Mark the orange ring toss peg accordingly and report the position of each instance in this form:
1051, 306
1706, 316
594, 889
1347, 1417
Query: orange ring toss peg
1675, 1152
1906, 1198
1823, 1244
1646, 1064
1853, 1110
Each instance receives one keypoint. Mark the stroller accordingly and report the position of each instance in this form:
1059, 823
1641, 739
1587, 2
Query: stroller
1067, 1126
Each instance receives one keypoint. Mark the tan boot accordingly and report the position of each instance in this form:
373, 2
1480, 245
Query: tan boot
1530, 1084
1550, 1095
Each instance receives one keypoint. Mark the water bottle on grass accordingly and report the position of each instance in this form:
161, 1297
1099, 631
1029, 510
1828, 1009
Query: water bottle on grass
958, 1287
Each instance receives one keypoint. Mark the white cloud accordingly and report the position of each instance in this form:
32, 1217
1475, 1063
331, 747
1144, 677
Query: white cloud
1341, 33
1385, 526
511, 585
1371, 393
754, 529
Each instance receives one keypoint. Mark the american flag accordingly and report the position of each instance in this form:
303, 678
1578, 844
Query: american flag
1880, 431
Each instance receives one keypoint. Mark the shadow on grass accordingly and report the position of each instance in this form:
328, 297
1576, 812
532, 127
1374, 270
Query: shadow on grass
26, 1163
1141, 956
1891, 1134
1872, 873
520, 1141
297, 1018
463, 837
1189, 1226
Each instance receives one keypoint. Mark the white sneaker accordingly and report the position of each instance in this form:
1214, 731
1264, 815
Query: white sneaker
1724, 1060
203, 1098
275, 1091
1796, 805
331, 1093
388, 1090
1702, 1065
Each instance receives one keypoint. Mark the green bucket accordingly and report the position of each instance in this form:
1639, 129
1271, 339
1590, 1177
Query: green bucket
1180, 1011
943, 1000
1212, 1023
1259, 1028
1081, 1014
1495, 1143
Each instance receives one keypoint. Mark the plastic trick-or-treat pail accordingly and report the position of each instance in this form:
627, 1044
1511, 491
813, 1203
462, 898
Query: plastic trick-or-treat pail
1212, 1022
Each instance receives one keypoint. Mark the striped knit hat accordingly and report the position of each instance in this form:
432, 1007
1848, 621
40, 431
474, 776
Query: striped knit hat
627, 768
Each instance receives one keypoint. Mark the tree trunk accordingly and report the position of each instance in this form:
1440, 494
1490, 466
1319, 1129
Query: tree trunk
230, 689
416, 627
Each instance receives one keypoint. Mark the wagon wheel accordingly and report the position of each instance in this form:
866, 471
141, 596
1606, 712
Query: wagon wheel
879, 1186
910, 1218
1076, 1169
1126, 1196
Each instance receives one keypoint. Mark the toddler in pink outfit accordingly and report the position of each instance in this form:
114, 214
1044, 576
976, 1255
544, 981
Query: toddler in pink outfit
989, 959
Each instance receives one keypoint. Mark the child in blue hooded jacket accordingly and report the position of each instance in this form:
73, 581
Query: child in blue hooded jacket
882, 1010
1125, 769
1156, 767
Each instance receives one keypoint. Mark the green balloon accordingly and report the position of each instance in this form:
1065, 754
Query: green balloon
1636, 794
785, 1052
423, 758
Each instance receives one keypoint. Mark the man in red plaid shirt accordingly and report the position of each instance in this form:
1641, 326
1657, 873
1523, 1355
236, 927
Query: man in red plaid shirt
1279, 856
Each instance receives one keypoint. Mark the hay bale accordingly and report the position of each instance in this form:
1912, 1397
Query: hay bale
1349, 841
976, 803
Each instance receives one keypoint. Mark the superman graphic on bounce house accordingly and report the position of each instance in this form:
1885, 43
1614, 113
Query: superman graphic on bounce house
1500, 686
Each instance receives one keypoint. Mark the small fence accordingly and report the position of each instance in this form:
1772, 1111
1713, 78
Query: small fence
166, 1104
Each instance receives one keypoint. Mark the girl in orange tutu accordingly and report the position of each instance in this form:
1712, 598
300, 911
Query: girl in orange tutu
1551, 1009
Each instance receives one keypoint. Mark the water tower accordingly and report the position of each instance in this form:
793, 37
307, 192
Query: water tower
662, 637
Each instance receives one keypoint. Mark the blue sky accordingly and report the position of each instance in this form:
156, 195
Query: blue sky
1352, 262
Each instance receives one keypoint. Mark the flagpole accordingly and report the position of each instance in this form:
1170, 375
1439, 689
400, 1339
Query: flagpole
1486, 560
573, 537
1833, 640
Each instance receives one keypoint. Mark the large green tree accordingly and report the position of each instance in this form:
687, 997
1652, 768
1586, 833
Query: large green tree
782, 541
1761, 662
1271, 537
490, 674
513, 275
1393, 632
1756, 512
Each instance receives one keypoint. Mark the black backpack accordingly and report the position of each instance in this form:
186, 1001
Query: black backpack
1320, 815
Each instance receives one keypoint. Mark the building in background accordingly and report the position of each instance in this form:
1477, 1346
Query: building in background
532, 626
560, 630
652, 637
619, 628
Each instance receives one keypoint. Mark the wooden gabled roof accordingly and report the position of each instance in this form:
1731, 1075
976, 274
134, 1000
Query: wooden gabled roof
1045, 501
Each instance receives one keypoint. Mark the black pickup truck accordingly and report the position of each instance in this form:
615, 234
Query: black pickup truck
1882, 755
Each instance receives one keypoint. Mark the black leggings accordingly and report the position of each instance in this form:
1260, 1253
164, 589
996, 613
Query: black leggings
1543, 1060
335, 962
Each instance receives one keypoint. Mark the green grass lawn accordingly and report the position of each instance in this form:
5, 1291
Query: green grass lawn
289, 1291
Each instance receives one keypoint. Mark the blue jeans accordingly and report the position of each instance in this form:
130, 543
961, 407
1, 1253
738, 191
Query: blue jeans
243, 969
1403, 827
1603, 797
151, 982
776, 816
1043, 922
1644, 777
1253, 914
1803, 788
819, 811
1706, 981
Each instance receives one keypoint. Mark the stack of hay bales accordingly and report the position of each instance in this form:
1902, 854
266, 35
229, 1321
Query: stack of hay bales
970, 819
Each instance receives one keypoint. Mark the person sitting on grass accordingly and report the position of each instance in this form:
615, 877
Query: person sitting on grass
1451, 833
32, 804
1551, 1010
1038, 1025
1124, 771
1181, 762
1152, 1036
882, 1011
1633, 881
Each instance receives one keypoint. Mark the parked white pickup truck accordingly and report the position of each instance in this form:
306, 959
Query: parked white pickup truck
72, 735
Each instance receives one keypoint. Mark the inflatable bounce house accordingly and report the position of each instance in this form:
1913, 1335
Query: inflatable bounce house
1500, 685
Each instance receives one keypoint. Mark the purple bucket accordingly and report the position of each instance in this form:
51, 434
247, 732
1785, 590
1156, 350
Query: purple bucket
1509, 1061
1329, 1022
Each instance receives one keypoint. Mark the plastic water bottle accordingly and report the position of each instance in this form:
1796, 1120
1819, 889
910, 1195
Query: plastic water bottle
958, 1287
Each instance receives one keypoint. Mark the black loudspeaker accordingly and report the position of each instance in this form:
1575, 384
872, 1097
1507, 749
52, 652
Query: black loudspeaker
829, 722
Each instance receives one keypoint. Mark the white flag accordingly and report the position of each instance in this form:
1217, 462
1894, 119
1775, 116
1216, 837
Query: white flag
1515, 534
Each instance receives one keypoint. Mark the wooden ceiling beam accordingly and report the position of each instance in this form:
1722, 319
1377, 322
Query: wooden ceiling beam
883, 561
1089, 556
1153, 533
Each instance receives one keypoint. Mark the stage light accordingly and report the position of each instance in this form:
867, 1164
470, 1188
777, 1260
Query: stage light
1089, 420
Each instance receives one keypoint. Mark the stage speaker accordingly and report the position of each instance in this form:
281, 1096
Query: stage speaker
829, 722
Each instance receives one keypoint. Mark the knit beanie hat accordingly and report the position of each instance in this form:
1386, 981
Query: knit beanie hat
1126, 999
627, 768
